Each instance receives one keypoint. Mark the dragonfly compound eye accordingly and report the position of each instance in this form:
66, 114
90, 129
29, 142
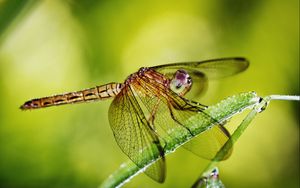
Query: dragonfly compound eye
181, 82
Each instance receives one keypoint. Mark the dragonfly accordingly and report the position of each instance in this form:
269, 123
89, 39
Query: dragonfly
151, 106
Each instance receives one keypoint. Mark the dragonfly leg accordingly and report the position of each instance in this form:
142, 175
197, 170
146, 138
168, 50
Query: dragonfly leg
152, 116
153, 113
197, 104
190, 105
158, 142
194, 106
174, 118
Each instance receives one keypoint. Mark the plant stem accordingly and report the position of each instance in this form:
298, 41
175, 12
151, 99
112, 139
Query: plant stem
261, 106
221, 112
285, 97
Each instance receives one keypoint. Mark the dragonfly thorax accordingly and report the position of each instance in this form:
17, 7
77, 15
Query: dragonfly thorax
181, 82
139, 73
149, 75
142, 70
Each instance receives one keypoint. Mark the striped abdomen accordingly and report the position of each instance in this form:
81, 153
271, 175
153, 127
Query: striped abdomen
91, 94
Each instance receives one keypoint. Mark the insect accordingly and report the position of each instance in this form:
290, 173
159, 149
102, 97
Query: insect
150, 105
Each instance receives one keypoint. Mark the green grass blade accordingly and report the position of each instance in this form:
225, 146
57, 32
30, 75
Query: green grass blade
261, 106
221, 111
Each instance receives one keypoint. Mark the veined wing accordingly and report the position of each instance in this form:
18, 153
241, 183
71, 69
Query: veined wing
201, 71
134, 135
212, 69
171, 116
208, 143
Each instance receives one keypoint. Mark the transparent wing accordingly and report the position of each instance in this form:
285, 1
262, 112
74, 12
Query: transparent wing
202, 71
134, 135
212, 69
173, 118
209, 143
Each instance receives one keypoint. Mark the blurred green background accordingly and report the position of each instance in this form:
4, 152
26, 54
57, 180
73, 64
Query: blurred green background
49, 47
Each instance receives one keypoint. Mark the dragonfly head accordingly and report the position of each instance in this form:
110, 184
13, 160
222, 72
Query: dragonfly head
181, 82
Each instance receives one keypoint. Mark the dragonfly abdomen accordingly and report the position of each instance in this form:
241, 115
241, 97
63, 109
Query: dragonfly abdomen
91, 94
